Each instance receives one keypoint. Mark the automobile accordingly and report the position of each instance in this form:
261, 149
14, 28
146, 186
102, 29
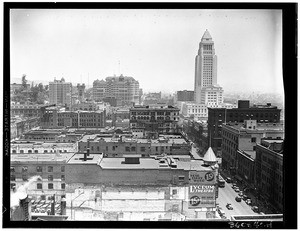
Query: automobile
237, 189
228, 180
241, 194
229, 207
245, 197
255, 209
238, 199
233, 186
221, 212
261, 213
248, 202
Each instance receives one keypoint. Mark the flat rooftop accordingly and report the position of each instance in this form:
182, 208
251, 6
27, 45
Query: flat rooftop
91, 159
40, 157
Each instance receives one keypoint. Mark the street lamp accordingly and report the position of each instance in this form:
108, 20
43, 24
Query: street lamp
72, 203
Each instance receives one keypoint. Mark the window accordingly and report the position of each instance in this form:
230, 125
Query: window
24, 169
50, 168
39, 186
133, 149
174, 191
253, 139
24, 177
50, 186
62, 168
29, 151
63, 177
127, 149
14, 151
13, 178
36, 151
39, 169
45, 151
181, 178
12, 169
63, 186
143, 149
12, 185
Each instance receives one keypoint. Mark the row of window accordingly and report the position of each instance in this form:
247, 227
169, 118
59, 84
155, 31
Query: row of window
25, 177
50, 186
37, 151
38, 169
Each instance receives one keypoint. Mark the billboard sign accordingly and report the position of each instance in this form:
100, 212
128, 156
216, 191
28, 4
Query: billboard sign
202, 177
202, 196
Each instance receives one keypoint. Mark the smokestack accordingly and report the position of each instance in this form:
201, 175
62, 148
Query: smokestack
52, 207
88, 152
63, 206
84, 156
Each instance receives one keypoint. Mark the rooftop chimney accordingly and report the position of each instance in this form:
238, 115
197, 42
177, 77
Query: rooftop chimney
87, 151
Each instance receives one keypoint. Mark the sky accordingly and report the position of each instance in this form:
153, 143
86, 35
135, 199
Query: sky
156, 47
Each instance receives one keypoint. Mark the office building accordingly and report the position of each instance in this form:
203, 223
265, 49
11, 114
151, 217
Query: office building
125, 90
269, 172
80, 90
244, 137
217, 116
146, 121
60, 92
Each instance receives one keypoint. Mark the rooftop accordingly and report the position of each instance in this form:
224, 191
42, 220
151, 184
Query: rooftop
77, 158
40, 157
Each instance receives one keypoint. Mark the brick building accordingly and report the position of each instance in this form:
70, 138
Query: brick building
150, 121
26, 110
269, 171
245, 136
117, 147
51, 168
218, 116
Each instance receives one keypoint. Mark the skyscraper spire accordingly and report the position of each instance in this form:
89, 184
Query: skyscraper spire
206, 36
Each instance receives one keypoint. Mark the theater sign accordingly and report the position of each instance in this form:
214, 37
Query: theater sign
202, 177
202, 196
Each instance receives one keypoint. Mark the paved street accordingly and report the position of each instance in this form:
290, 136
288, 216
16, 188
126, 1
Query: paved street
227, 195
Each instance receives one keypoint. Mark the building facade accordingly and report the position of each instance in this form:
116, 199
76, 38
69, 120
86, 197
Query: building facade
123, 88
26, 110
269, 171
244, 137
60, 92
205, 66
218, 116
184, 95
150, 121
54, 118
51, 170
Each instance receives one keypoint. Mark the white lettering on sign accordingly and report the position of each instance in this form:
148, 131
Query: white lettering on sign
202, 188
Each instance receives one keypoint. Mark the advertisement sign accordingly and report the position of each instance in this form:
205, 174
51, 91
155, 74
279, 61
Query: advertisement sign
201, 196
202, 177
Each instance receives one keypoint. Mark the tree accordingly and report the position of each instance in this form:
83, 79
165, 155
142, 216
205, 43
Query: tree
24, 82
41, 87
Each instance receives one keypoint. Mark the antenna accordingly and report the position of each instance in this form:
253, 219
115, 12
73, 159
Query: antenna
88, 79
210, 139
119, 67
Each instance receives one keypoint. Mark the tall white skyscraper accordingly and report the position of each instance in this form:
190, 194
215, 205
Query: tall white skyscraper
206, 73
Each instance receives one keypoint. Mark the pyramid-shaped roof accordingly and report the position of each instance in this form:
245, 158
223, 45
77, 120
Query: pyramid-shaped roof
206, 35
209, 156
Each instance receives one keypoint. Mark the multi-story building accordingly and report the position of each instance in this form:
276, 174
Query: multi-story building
26, 110
206, 72
33, 147
119, 146
60, 92
50, 168
218, 116
17, 86
244, 137
21, 125
125, 89
80, 90
269, 171
55, 118
151, 121
184, 95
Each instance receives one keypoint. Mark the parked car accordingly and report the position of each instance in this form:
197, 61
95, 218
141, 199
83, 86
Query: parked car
248, 202
228, 180
238, 199
237, 189
233, 186
229, 207
255, 209
241, 194
245, 197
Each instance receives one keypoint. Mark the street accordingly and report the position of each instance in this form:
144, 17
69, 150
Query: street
227, 195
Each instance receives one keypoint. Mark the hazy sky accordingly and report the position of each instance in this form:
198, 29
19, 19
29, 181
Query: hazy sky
156, 47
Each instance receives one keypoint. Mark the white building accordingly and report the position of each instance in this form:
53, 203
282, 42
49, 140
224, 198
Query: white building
60, 92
